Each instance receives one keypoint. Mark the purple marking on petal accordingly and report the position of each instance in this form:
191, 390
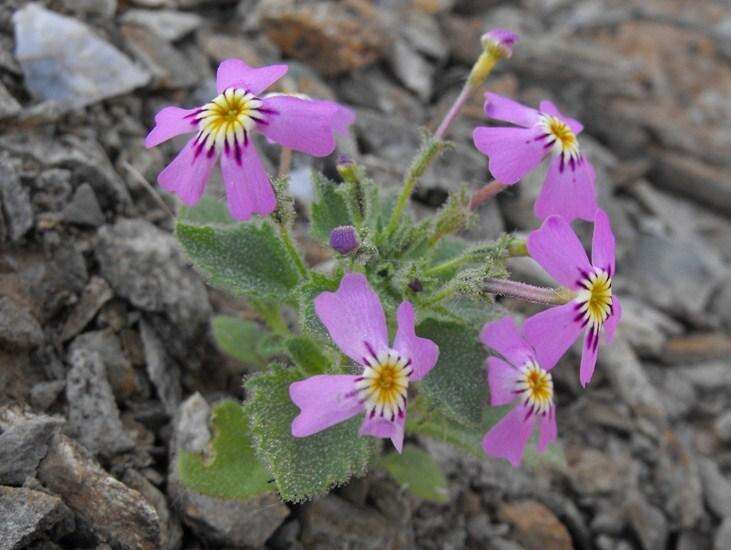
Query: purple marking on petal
370, 350
211, 151
572, 164
560, 166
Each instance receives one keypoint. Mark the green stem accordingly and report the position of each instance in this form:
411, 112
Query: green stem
426, 155
286, 236
447, 266
446, 292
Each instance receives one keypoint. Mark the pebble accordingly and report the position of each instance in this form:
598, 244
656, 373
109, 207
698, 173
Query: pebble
84, 208
163, 372
27, 514
535, 526
646, 521
169, 25
95, 295
723, 536
716, 488
19, 330
15, 202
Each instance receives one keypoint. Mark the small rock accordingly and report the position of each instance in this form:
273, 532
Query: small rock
192, 433
112, 511
722, 427
45, 394
716, 487
723, 536
422, 31
9, 106
52, 190
168, 66
696, 348
95, 295
163, 372
93, 414
24, 441
536, 527
145, 265
15, 201
28, 515
84, 209
333, 522
647, 522
119, 371
721, 304
171, 532
678, 481
18, 328
333, 37
63, 60
412, 70
646, 328
597, 473
169, 25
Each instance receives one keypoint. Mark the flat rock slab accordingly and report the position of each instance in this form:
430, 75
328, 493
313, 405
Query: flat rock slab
27, 514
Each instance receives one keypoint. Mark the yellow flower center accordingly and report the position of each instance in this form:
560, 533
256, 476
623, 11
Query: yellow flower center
594, 300
535, 388
384, 384
224, 123
560, 137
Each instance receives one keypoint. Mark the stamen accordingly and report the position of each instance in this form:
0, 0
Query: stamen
563, 140
594, 303
383, 385
226, 121
535, 387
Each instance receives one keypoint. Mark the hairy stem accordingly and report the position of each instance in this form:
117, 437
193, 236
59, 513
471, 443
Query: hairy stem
294, 253
453, 111
485, 193
528, 293
285, 162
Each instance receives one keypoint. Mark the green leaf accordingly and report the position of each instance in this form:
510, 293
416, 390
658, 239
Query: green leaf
240, 338
208, 211
302, 467
308, 354
416, 471
458, 383
306, 294
232, 471
246, 259
454, 216
329, 209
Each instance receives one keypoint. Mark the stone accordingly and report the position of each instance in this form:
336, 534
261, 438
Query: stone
334, 522
678, 481
113, 512
52, 190
146, 266
18, 328
716, 488
119, 371
171, 532
192, 433
93, 416
63, 60
84, 208
9, 106
44, 394
16, 205
28, 515
169, 25
24, 439
721, 304
162, 371
646, 328
411, 69
422, 31
722, 541
536, 527
596, 473
722, 427
332, 37
648, 523
95, 295
169, 68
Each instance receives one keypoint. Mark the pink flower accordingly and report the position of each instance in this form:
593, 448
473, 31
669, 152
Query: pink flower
500, 42
522, 379
223, 129
568, 190
355, 320
558, 250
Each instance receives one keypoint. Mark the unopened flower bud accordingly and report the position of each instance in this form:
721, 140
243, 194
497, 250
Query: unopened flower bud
344, 239
346, 167
499, 42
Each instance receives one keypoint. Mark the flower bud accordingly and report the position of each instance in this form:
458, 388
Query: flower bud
499, 42
346, 167
344, 239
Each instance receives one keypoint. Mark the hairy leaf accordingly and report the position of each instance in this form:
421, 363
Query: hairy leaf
416, 471
308, 354
458, 383
246, 259
306, 295
232, 471
302, 467
208, 211
240, 338
329, 209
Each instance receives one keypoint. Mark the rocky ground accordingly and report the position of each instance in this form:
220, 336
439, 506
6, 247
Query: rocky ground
106, 364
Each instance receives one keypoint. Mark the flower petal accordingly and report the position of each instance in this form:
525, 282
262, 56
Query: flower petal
187, 174
248, 189
610, 325
558, 250
379, 427
304, 125
324, 400
513, 152
549, 108
503, 108
507, 438
589, 354
548, 431
602, 243
171, 122
235, 73
567, 191
354, 317
422, 351
551, 333
501, 379
503, 336
342, 117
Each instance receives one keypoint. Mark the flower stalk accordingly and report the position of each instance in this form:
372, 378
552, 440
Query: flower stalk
528, 293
